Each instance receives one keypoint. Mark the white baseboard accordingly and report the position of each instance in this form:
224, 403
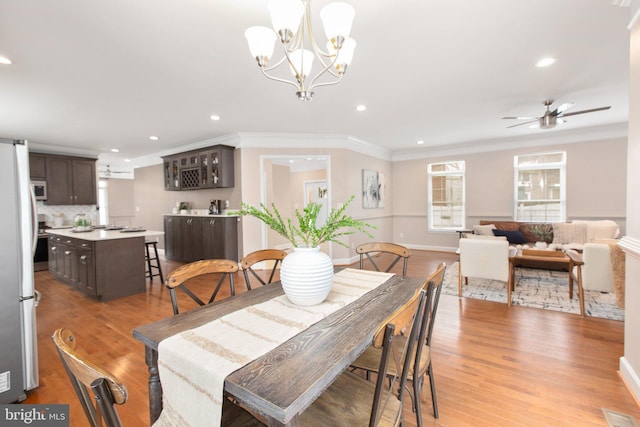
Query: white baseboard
630, 377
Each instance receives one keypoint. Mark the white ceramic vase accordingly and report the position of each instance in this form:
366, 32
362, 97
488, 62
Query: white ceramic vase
306, 276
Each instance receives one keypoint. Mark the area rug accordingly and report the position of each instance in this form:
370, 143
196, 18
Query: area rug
544, 289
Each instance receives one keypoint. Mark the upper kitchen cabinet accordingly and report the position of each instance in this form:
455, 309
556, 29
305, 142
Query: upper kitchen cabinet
171, 175
210, 167
37, 169
216, 167
70, 180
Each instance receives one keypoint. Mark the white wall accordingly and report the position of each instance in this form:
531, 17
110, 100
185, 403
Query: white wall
630, 363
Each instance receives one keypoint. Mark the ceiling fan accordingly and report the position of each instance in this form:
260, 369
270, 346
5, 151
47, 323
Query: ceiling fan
107, 172
552, 117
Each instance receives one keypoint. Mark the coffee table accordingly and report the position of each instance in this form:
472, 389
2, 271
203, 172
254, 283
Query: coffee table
557, 257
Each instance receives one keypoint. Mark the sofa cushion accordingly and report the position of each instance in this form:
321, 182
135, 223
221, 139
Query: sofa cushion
484, 230
481, 236
600, 229
564, 233
502, 225
514, 237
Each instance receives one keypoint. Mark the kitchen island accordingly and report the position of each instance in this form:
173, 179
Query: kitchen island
104, 264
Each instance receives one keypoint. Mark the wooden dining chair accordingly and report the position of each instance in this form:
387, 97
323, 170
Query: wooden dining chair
90, 382
398, 253
351, 400
178, 278
273, 255
421, 358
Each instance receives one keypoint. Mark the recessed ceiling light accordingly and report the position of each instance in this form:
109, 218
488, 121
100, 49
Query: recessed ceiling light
115, 150
361, 107
6, 61
545, 62
127, 160
154, 138
215, 117
420, 142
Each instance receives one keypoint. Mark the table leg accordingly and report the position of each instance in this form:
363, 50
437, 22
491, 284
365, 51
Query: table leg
511, 282
571, 267
155, 388
580, 289
294, 422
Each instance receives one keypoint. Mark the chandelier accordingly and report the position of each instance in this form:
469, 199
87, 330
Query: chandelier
291, 20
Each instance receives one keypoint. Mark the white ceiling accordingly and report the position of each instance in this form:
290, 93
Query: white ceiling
91, 75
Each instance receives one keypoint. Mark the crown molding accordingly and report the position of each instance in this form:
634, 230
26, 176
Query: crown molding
596, 133
636, 14
346, 142
156, 158
37, 147
308, 140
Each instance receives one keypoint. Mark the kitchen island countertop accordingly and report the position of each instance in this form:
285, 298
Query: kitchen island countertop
102, 234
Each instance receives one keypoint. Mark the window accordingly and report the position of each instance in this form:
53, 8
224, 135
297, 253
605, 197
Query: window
103, 200
540, 187
446, 196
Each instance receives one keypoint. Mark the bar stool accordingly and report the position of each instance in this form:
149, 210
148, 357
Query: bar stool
148, 258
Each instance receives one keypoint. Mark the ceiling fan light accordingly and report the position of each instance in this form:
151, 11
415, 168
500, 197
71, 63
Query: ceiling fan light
286, 15
547, 122
261, 42
337, 19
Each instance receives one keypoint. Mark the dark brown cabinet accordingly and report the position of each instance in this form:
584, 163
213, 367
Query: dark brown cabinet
104, 269
70, 181
54, 253
171, 175
191, 238
37, 170
211, 167
71, 260
171, 238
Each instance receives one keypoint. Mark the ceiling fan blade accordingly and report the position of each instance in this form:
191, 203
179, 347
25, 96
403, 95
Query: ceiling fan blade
525, 123
585, 111
564, 107
520, 118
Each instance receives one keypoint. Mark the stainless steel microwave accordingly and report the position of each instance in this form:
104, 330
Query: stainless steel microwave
40, 189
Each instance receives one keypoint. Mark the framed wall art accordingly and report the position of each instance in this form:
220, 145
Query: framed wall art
373, 189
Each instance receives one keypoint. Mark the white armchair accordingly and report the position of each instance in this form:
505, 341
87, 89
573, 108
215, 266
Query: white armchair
594, 270
484, 259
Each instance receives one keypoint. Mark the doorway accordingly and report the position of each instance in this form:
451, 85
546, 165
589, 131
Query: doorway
291, 182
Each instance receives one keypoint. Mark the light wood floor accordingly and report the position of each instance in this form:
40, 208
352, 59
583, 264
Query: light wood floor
494, 365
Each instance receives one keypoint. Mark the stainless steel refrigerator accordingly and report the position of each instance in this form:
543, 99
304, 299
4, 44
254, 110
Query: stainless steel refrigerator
18, 337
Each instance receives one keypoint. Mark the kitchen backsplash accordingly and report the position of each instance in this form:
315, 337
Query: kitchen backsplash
66, 213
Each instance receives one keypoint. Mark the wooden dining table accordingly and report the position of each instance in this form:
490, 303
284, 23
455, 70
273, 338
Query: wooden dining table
282, 383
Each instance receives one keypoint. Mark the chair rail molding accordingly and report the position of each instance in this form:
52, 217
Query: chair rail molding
631, 246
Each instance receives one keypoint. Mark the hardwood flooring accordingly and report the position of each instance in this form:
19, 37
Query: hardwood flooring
494, 365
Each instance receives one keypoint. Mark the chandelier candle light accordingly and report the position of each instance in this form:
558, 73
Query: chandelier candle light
291, 20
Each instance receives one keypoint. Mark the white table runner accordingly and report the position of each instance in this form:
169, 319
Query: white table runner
194, 364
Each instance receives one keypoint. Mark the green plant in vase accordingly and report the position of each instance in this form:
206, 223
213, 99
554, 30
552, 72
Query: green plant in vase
306, 273
307, 233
